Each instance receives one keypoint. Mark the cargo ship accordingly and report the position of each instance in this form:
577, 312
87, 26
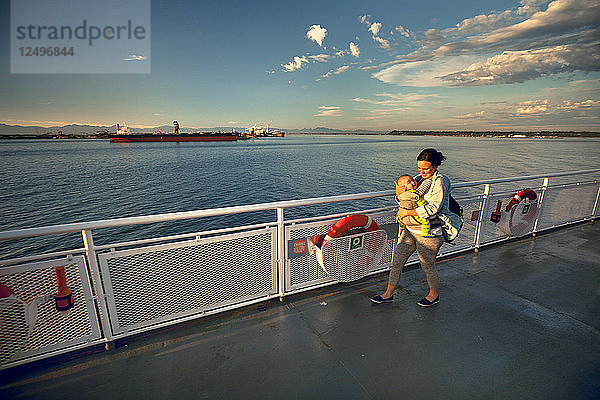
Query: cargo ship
123, 136
263, 131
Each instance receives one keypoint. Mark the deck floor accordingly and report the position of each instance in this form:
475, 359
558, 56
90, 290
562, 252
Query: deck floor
519, 320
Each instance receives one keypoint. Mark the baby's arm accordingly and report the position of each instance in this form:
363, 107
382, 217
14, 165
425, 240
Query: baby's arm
423, 187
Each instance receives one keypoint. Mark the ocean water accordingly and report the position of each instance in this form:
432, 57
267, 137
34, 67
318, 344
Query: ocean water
61, 181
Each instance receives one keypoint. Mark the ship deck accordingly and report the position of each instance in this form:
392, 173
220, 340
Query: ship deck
517, 320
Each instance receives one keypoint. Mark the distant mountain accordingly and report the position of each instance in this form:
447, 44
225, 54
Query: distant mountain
322, 129
71, 129
76, 129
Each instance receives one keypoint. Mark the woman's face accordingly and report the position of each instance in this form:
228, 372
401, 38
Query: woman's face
426, 169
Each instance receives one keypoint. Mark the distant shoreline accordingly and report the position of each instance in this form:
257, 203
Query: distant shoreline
486, 134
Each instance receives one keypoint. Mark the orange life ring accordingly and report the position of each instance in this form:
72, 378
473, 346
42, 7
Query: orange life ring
358, 222
523, 194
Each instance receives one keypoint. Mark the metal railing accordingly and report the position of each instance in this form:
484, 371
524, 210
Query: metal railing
128, 287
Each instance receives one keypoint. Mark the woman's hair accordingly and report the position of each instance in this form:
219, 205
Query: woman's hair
432, 155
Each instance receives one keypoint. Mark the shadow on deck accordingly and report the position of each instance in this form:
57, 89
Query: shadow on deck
519, 320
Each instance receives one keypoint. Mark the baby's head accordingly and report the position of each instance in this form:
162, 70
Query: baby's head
404, 183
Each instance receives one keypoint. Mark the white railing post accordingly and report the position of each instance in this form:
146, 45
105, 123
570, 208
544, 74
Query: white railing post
280, 252
595, 209
540, 205
482, 212
90, 251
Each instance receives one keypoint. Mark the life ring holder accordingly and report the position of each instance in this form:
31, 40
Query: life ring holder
523, 194
358, 222
520, 220
349, 263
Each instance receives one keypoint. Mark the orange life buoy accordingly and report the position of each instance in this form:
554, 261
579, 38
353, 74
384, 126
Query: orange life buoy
523, 194
358, 222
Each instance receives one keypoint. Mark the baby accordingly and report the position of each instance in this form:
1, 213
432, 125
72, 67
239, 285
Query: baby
409, 196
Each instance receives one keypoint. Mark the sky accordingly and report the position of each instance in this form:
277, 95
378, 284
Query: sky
386, 65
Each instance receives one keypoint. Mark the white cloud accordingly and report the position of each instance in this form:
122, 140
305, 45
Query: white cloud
329, 111
404, 32
374, 28
581, 105
321, 57
520, 66
317, 34
546, 107
382, 42
133, 57
336, 71
354, 50
295, 64
423, 73
477, 115
394, 100
509, 46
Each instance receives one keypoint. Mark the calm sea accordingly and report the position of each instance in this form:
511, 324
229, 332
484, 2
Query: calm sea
62, 181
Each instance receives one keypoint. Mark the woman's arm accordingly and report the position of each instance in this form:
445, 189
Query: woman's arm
437, 194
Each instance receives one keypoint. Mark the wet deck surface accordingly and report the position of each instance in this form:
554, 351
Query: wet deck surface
520, 320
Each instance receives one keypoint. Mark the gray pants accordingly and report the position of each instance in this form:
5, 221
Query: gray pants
427, 249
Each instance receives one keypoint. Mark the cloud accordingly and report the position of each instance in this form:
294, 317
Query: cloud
317, 34
354, 50
424, 73
394, 100
336, 71
477, 115
382, 42
295, 64
533, 107
133, 57
536, 107
568, 105
374, 28
321, 57
508, 46
404, 32
521, 66
483, 23
329, 111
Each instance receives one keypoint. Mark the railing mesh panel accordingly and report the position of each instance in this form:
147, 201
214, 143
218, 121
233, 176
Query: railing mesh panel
518, 221
567, 204
466, 237
305, 271
349, 258
30, 324
160, 283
